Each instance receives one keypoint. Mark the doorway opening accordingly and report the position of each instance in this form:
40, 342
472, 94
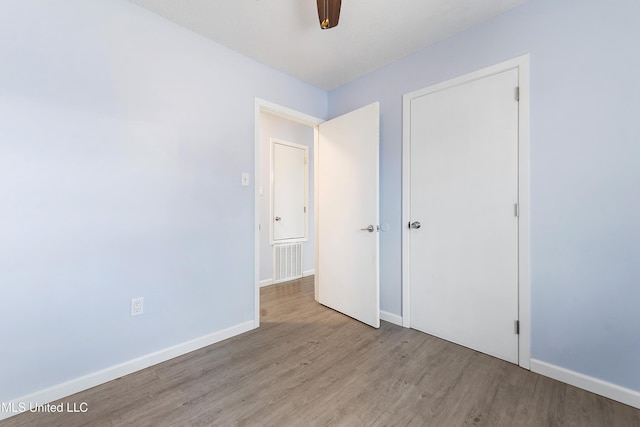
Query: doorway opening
277, 123
345, 204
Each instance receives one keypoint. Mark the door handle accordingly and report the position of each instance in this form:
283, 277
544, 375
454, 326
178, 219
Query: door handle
278, 218
415, 224
370, 229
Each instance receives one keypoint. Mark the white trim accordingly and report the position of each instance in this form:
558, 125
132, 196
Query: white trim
390, 317
406, 210
585, 382
105, 375
262, 106
287, 113
524, 266
266, 282
256, 212
316, 213
520, 63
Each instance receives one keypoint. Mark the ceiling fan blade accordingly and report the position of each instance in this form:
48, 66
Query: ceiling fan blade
328, 13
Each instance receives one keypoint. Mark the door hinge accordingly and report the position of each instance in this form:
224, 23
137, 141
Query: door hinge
305, 209
305, 160
516, 210
517, 93
517, 327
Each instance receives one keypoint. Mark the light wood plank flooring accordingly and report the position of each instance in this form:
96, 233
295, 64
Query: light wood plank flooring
310, 366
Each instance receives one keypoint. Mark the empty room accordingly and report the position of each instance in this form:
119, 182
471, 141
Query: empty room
298, 212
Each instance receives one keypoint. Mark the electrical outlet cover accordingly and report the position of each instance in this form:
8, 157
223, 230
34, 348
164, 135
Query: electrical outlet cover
137, 306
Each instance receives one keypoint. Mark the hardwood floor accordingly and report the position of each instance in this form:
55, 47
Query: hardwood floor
310, 366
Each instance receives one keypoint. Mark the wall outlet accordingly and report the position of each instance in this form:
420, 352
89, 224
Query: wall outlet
137, 306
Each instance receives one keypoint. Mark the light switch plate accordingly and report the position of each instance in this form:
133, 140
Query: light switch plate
245, 179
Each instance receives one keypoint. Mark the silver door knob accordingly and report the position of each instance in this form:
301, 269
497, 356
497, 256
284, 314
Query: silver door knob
278, 218
370, 229
415, 224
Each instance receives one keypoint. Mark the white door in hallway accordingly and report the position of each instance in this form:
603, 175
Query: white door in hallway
463, 192
289, 188
347, 275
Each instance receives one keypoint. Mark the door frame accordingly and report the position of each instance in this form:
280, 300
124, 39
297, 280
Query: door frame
266, 107
521, 63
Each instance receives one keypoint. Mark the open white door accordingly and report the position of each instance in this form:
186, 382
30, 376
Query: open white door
347, 277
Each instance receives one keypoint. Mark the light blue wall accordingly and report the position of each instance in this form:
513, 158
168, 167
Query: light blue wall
122, 142
585, 178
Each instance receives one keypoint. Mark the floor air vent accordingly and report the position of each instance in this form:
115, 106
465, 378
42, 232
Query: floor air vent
287, 259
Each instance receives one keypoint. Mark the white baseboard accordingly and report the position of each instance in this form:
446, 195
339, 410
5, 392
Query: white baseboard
594, 385
391, 318
266, 282
68, 388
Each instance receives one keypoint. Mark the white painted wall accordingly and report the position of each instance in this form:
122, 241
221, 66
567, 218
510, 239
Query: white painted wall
274, 127
122, 142
585, 179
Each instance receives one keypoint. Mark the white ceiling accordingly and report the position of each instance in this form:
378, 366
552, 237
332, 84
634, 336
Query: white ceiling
286, 35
